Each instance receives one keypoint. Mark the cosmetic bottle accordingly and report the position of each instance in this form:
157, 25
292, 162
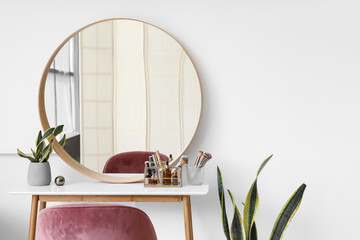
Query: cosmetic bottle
154, 178
148, 173
166, 175
175, 179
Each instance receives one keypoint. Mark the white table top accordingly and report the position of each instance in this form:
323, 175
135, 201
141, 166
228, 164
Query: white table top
93, 187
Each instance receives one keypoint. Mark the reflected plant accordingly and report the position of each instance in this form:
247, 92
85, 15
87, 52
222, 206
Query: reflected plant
246, 229
44, 151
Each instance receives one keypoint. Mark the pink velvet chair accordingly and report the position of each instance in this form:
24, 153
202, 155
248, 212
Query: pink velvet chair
94, 222
129, 162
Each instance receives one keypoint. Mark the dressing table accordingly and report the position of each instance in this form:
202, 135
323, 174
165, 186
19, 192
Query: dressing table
95, 191
118, 85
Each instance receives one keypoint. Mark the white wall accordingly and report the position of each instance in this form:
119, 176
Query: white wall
278, 77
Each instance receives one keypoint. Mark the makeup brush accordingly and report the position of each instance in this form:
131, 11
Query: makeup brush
200, 153
154, 158
158, 157
183, 160
206, 158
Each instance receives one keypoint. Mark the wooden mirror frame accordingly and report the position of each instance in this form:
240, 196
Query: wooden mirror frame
57, 147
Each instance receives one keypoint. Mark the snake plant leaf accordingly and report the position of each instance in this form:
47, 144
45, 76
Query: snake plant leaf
287, 213
252, 202
253, 233
58, 130
39, 149
38, 139
34, 153
251, 208
47, 134
222, 204
63, 140
46, 152
23, 155
263, 164
48, 156
237, 232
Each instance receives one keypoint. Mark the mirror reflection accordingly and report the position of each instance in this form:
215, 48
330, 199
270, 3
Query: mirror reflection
119, 86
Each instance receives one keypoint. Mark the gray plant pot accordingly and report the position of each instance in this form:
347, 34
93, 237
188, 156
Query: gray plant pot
39, 174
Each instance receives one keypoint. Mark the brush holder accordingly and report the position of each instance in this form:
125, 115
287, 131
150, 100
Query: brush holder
195, 175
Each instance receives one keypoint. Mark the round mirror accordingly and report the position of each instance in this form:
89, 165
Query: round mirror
120, 85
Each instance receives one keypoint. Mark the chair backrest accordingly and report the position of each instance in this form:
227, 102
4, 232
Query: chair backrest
94, 222
129, 162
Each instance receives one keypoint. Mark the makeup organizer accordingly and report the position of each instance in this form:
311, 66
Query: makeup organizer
156, 177
158, 173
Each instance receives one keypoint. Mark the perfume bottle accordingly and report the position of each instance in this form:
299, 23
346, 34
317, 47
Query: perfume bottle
167, 175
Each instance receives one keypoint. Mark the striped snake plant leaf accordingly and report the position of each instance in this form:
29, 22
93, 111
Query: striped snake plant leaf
287, 213
58, 130
39, 149
38, 139
47, 134
251, 208
34, 153
237, 231
63, 140
46, 152
23, 155
51, 149
263, 164
252, 202
253, 233
48, 156
222, 204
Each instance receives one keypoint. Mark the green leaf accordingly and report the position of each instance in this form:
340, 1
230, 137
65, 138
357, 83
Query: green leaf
287, 213
23, 155
34, 153
253, 233
48, 156
251, 208
222, 204
47, 134
38, 139
39, 149
252, 202
46, 152
237, 232
263, 164
58, 130
63, 140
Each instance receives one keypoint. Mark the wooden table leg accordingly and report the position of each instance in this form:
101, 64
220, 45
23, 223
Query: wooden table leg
187, 218
33, 216
42, 205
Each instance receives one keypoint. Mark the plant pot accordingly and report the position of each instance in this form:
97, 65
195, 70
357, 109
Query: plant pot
39, 174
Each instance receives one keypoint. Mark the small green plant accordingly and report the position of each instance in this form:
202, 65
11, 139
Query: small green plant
44, 151
246, 229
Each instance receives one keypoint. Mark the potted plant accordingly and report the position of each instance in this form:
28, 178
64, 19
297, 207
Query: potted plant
245, 229
39, 173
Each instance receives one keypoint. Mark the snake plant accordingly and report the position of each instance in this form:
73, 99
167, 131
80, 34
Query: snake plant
245, 229
44, 151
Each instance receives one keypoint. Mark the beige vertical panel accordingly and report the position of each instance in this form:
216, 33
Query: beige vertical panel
96, 84
191, 100
130, 102
164, 76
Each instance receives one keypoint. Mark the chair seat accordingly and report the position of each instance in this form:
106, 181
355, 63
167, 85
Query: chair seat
129, 162
94, 222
